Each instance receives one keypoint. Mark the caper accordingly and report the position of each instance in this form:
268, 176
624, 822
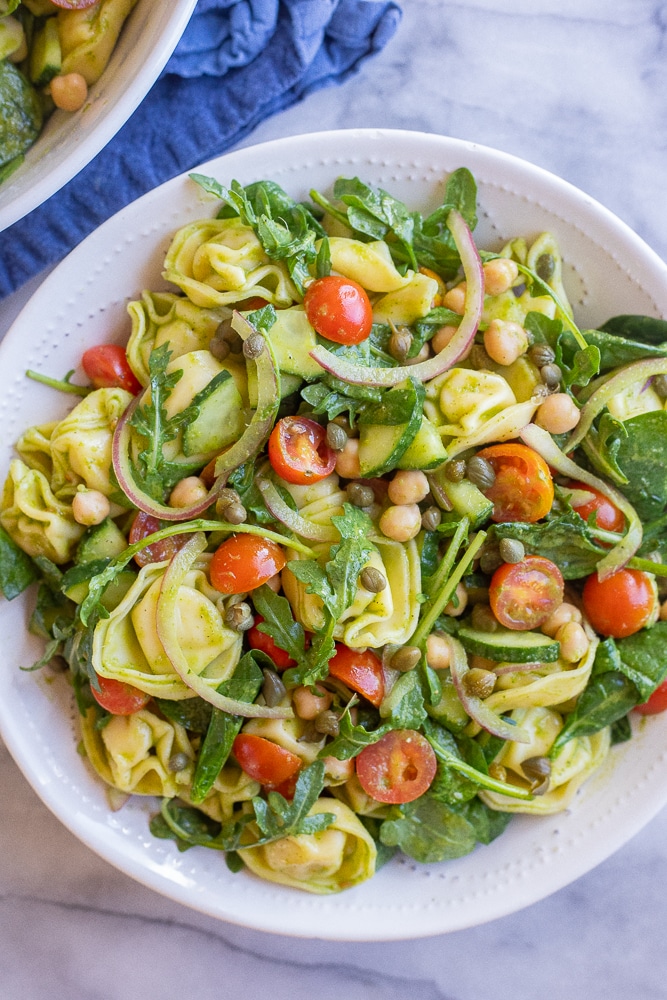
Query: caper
219, 348
536, 767
480, 472
327, 723
545, 266
455, 471
483, 619
178, 761
406, 658
400, 343
372, 579
551, 375
239, 617
479, 682
235, 513
479, 358
336, 436
360, 495
511, 550
490, 559
253, 346
541, 355
659, 383
431, 518
273, 688
235, 342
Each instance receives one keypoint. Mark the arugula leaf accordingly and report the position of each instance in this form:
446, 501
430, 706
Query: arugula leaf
331, 396
186, 826
429, 831
448, 753
279, 621
277, 818
433, 242
565, 540
17, 570
352, 739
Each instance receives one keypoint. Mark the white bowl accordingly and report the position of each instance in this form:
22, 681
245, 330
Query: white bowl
609, 270
69, 141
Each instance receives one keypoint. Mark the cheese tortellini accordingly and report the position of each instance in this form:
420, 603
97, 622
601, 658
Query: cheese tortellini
35, 518
88, 36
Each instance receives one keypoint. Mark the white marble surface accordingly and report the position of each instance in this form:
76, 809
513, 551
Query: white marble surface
579, 87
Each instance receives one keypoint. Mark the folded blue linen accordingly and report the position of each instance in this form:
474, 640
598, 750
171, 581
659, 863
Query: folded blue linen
238, 62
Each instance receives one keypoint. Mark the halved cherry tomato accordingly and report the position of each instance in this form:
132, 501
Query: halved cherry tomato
119, 698
245, 562
264, 760
107, 367
298, 451
360, 670
144, 525
262, 641
620, 605
607, 516
398, 768
523, 489
339, 309
523, 595
251, 304
657, 702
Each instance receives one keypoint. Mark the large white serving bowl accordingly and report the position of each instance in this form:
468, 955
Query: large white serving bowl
609, 271
69, 141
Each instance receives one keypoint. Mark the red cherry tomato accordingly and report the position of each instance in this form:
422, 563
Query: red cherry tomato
252, 304
263, 642
264, 760
339, 309
620, 605
245, 562
144, 525
523, 595
656, 703
119, 698
360, 670
107, 367
607, 516
523, 489
298, 451
398, 768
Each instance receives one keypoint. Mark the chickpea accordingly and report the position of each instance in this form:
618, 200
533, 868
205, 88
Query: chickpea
455, 298
347, 460
558, 414
187, 492
505, 341
456, 609
573, 642
409, 486
69, 91
275, 583
561, 616
440, 339
401, 522
309, 704
422, 356
499, 275
438, 651
338, 770
90, 507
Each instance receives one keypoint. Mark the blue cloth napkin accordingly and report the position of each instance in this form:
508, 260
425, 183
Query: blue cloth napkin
238, 62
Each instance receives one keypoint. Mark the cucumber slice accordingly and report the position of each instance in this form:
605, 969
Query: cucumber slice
103, 541
427, 451
466, 499
387, 429
288, 385
509, 646
293, 338
220, 420
45, 54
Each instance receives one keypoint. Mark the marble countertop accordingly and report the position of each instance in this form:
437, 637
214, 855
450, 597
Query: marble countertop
580, 88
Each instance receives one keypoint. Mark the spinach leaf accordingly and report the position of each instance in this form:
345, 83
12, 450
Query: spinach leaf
579, 365
429, 831
641, 454
640, 657
607, 698
193, 714
615, 349
378, 215
487, 823
404, 705
644, 329
565, 540
17, 570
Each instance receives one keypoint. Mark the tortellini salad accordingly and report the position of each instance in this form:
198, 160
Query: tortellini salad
355, 546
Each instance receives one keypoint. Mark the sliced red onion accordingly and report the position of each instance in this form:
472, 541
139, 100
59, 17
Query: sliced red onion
476, 708
292, 519
454, 350
638, 371
167, 618
241, 451
541, 441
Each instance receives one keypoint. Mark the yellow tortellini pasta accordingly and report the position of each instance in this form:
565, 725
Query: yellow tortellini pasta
370, 264
132, 752
34, 448
164, 318
231, 788
287, 733
126, 646
409, 303
89, 36
337, 858
221, 261
632, 402
81, 443
461, 400
36, 519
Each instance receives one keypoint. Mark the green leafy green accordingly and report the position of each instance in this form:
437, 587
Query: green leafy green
429, 831
641, 454
352, 739
565, 539
20, 113
17, 570
579, 365
193, 714
615, 349
605, 699
377, 215
279, 621
404, 705
642, 329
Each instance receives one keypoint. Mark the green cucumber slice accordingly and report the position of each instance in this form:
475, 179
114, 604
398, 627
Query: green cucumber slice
509, 646
427, 451
220, 420
387, 429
